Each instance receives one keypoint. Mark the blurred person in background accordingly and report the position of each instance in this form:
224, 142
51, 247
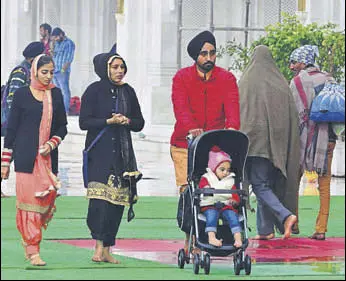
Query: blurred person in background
63, 54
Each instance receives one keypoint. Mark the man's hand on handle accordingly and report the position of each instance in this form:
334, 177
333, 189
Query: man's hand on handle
196, 132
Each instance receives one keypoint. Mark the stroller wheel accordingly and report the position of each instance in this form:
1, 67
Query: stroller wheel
181, 258
207, 264
247, 265
237, 265
196, 260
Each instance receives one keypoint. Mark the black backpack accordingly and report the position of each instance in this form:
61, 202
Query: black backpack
4, 104
185, 212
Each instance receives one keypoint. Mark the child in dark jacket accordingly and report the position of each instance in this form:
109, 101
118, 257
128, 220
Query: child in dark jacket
219, 176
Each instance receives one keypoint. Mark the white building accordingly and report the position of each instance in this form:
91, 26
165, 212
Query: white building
152, 36
147, 33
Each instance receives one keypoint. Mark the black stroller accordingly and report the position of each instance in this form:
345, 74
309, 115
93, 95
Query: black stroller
236, 145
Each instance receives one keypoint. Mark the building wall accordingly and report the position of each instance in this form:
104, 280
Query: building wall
90, 24
323, 11
155, 59
147, 38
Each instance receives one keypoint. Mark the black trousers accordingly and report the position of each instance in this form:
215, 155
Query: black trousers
265, 178
104, 220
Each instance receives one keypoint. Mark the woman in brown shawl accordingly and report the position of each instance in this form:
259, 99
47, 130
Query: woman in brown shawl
269, 118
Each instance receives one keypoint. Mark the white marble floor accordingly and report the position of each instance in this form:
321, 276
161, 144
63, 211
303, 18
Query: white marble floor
153, 161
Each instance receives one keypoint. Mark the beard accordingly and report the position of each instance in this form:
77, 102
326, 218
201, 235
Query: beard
295, 72
206, 67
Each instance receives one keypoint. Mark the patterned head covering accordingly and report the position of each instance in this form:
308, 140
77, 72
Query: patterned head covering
305, 54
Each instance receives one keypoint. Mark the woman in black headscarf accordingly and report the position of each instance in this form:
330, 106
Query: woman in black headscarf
112, 104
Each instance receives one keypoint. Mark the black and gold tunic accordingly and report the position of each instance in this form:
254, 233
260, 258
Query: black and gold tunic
112, 158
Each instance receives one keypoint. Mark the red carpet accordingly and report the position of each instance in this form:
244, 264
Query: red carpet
276, 250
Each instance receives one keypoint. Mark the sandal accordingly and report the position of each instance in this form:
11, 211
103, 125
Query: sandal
318, 236
36, 260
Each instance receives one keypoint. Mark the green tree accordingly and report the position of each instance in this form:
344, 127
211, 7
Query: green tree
282, 38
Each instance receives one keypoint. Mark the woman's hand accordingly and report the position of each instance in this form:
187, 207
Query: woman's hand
118, 119
45, 149
125, 121
5, 172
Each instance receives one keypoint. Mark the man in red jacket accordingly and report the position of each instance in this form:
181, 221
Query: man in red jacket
205, 97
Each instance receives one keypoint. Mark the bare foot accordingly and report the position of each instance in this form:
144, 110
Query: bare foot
237, 240
289, 222
98, 254
212, 240
110, 259
264, 237
107, 257
97, 258
295, 228
215, 242
238, 243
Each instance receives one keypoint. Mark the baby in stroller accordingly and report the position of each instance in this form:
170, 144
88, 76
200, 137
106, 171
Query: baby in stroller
210, 204
219, 176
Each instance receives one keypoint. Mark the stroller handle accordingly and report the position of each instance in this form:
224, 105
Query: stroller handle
201, 191
189, 139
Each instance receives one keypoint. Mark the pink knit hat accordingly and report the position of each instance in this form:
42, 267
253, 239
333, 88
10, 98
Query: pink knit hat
216, 157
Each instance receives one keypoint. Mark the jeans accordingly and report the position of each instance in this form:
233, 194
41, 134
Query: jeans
212, 216
262, 175
61, 80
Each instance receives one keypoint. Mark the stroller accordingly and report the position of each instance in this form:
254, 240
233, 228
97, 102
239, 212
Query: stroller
236, 145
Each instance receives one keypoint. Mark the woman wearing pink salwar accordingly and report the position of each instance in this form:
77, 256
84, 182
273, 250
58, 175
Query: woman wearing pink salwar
36, 126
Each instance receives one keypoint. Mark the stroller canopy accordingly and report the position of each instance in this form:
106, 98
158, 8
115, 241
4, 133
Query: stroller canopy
235, 143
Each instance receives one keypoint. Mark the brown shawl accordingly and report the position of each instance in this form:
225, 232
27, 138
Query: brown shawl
269, 118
